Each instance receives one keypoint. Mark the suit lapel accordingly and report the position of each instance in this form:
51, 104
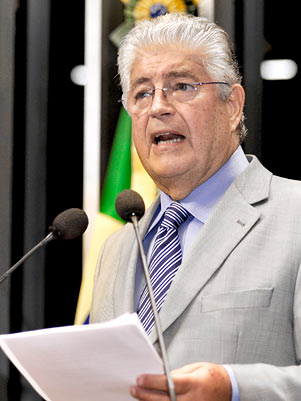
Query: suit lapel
230, 222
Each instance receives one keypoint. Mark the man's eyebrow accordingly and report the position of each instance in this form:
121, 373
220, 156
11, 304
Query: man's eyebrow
180, 74
139, 81
169, 74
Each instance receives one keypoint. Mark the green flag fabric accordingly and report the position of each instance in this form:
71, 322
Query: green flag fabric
118, 175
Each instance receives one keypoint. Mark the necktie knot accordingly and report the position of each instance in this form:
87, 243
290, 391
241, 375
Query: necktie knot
174, 216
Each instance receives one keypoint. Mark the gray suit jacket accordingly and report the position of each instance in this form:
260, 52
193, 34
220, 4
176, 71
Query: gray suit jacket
237, 297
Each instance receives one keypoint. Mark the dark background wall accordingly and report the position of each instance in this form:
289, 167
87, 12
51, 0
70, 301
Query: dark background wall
41, 166
41, 139
280, 103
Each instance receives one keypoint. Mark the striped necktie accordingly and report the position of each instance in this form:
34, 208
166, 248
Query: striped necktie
165, 260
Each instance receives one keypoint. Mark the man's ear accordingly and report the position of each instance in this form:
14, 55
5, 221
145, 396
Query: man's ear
236, 102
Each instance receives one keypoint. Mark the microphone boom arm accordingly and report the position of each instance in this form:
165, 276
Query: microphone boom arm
45, 241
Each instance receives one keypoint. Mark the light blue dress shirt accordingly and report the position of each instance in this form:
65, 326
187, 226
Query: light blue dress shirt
200, 204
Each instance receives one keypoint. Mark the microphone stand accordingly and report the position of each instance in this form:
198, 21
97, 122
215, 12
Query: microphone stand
170, 384
67, 225
47, 239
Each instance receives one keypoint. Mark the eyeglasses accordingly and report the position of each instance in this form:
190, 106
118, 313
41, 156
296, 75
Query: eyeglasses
140, 101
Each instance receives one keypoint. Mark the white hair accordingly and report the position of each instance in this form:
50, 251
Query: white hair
195, 33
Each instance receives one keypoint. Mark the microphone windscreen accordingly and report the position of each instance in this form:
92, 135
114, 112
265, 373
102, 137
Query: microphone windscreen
69, 224
129, 203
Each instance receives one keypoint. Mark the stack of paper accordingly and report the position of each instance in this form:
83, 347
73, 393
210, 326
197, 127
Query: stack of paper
84, 363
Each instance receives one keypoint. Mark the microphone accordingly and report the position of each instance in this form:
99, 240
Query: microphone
69, 224
130, 207
128, 204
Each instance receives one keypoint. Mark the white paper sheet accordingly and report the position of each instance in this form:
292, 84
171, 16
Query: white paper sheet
97, 362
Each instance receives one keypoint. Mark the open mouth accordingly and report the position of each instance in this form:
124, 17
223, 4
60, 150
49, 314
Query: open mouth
165, 138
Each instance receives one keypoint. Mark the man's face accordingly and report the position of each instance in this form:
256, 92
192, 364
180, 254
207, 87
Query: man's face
182, 144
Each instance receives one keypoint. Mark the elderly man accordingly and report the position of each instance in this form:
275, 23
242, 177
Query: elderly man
223, 238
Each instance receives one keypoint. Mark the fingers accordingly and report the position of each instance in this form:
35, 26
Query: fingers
154, 382
159, 382
144, 394
155, 387
195, 382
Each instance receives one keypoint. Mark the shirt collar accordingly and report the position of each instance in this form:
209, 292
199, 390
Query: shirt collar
203, 199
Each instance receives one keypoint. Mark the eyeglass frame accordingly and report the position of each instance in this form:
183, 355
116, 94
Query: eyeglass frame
152, 92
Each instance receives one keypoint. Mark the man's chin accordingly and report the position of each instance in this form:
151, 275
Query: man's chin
167, 176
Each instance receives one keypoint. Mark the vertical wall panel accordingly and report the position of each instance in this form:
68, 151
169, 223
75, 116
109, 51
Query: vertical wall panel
35, 166
112, 16
7, 37
64, 162
253, 47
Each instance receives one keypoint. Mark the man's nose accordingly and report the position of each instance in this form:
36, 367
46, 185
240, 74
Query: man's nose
160, 103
